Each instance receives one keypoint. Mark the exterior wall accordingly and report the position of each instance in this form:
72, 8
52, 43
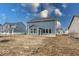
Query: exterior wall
74, 26
20, 28
6, 28
1, 29
45, 25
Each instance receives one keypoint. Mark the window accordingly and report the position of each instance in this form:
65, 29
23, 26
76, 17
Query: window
49, 30
31, 30
34, 30
46, 30
43, 30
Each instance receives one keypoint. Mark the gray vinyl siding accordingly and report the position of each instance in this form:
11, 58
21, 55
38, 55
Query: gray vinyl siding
46, 25
20, 27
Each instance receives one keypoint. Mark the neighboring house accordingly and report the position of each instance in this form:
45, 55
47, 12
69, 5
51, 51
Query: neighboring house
74, 25
42, 26
1, 28
14, 28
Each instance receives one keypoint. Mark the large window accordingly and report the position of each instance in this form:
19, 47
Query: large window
49, 30
43, 30
33, 30
46, 30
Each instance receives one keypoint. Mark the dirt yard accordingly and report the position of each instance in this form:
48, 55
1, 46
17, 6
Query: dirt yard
25, 45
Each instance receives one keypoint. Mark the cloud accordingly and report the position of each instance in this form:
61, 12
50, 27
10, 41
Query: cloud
35, 6
58, 12
64, 5
26, 5
13, 10
44, 13
49, 8
3, 16
23, 4
32, 6
58, 24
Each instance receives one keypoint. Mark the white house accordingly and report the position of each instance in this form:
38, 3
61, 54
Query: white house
42, 26
14, 28
74, 25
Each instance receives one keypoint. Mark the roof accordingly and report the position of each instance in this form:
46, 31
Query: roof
43, 19
12, 23
72, 21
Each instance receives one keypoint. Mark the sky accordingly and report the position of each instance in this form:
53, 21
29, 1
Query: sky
23, 12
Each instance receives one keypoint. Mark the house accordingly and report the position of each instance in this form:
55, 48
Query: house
74, 25
1, 28
42, 26
14, 28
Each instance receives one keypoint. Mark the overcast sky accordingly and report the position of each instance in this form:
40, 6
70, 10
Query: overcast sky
17, 12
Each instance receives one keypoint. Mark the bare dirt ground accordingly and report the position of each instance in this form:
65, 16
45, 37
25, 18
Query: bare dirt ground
25, 45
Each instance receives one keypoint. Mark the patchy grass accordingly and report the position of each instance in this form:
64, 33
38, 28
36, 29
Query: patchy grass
38, 45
